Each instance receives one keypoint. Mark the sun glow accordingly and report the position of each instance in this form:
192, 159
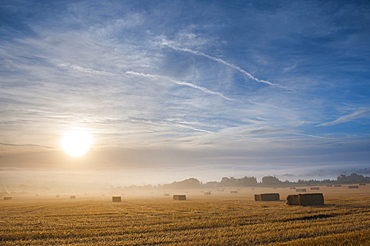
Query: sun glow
76, 142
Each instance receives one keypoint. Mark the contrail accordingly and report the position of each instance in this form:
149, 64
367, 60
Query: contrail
198, 53
152, 76
345, 118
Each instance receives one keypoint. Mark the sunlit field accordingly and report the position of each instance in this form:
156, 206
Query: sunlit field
222, 218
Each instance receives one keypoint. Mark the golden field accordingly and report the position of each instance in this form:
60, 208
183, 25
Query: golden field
221, 218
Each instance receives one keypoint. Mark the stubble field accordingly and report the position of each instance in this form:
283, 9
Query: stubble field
217, 219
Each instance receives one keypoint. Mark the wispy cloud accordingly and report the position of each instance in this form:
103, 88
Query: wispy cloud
84, 69
198, 53
152, 76
26, 145
346, 118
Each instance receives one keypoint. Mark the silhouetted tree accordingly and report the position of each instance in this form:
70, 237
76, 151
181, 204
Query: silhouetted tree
353, 178
248, 181
191, 183
270, 180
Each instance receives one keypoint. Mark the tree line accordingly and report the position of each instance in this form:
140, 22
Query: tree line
267, 181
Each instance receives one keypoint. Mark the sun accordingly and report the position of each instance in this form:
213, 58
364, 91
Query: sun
76, 143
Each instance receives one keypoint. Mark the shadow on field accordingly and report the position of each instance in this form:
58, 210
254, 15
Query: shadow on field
313, 217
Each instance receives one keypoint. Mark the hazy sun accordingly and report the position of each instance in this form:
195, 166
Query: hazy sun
76, 142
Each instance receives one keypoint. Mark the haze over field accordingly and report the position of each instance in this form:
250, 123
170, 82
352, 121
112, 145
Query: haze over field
169, 90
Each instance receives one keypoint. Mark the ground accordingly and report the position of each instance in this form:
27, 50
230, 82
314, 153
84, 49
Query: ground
222, 218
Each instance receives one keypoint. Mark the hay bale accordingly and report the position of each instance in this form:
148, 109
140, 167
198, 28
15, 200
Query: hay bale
309, 199
179, 197
337, 185
362, 184
72, 197
292, 188
329, 185
267, 197
300, 190
116, 199
353, 187
233, 191
292, 200
314, 188
166, 194
207, 193
7, 198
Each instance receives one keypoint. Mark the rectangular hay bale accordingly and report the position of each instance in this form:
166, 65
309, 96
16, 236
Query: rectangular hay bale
267, 197
292, 200
72, 197
300, 190
311, 199
337, 185
308, 199
7, 198
314, 188
233, 192
353, 187
179, 197
116, 199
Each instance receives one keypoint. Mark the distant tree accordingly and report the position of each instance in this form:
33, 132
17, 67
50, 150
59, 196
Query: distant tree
248, 181
353, 178
191, 183
226, 181
211, 184
270, 180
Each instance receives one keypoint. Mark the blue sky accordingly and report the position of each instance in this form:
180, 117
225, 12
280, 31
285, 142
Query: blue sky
216, 88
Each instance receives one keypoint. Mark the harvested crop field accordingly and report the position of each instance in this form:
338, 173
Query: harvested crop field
211, 220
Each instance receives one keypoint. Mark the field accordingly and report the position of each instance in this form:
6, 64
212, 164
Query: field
221, 218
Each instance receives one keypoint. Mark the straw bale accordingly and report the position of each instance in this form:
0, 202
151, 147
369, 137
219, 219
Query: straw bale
267, 197
72, 197
314, 188
166, 194
308, 199
179, 197
233, 191
337, 185
300, 190
7, 198
292, 200
207, 193
353, 187
362, 184
116, 199
311, 199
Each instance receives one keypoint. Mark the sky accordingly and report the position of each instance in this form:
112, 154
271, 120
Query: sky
178, 89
